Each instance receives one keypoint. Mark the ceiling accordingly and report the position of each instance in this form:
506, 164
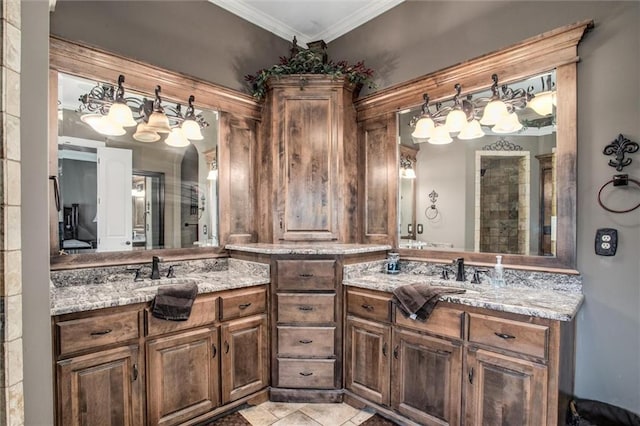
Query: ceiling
307, 20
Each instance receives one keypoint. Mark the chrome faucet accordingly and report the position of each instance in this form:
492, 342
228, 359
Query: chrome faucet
155, 272
459, 262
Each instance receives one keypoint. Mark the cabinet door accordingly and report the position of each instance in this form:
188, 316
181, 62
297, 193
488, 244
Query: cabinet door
368, 359
182, 376
425, 379
307, 127
244, 357
102, 388
503, 390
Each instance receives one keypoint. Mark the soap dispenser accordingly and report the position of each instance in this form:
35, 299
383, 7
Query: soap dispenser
498, 273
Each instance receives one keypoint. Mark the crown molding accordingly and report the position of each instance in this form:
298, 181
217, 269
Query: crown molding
285, 31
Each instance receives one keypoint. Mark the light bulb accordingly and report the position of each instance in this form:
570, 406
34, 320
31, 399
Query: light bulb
440, 136
493, 112
191, 130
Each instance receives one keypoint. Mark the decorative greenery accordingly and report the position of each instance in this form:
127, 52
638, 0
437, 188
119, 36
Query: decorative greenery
307, 61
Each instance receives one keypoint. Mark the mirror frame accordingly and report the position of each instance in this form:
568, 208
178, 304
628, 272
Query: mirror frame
555, 49
85, 61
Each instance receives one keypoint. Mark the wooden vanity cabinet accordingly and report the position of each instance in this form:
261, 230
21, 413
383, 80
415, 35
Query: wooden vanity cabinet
99, 368
115, 364
307, 343
463, 365
311, 157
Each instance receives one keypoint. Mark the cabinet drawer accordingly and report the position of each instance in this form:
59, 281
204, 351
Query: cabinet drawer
369, 305
530, 339
306, 308
204, 311
308, 374
243, 303
306, 341
90, 333
306, 274
442, 321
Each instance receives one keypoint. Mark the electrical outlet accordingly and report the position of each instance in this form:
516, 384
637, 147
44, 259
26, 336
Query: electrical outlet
606, 241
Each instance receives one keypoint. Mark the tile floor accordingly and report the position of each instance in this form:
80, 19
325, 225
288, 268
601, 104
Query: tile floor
304, 414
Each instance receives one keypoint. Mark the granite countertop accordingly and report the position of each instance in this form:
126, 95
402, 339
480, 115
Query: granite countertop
111, 289
308, 248
547, 299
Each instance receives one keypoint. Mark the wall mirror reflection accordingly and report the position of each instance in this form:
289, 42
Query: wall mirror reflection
474, 183
138, 185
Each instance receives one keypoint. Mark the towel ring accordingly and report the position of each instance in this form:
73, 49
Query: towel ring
618, 180
431, 212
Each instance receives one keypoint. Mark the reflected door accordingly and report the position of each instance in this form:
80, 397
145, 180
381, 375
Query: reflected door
114, 199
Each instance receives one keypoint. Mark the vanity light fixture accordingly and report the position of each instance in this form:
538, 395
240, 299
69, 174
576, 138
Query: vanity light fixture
213, 171
465, 118
406, 168
109, 112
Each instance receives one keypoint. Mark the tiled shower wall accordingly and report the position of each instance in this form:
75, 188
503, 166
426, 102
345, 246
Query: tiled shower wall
11, 390
504, 206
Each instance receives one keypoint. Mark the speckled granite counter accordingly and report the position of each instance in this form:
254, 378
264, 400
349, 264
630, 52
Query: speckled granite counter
537, 294
307, 248
87, 289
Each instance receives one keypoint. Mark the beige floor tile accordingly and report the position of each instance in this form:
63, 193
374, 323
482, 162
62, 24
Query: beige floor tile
349, 423
258, 416
329, 414
362, 416
281, 409
296, 419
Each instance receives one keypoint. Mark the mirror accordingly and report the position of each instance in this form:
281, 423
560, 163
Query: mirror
119, 194
491, 193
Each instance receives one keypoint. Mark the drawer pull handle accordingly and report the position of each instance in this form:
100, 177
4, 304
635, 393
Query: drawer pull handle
395, 352
367, 307
214, 351
505, 336
305, 341
306, 275
135, 373
101, 333
306, 308
384, 350
471, 375
306, 374
226, 347
244, 305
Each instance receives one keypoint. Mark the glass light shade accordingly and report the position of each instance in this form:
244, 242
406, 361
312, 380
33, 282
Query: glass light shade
543, 103
103, 125
158, 122
508, 124
120, 113
213, 174
424, 128
144, 134
471, 130
493, 112
191, 130
440, 136
409, 173
176, 138
456, 120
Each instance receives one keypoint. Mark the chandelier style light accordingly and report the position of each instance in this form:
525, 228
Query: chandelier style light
108, 112
465, 118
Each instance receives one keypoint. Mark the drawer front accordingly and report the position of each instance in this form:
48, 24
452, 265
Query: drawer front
101, 330
306, 341
204, 311
306, 308
307, 374
530, 339
306, 274
243, 303
368, 305
442, 321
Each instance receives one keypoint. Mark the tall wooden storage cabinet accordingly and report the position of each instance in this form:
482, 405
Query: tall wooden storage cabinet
309, 160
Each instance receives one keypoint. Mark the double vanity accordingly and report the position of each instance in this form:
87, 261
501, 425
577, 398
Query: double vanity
292, 322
